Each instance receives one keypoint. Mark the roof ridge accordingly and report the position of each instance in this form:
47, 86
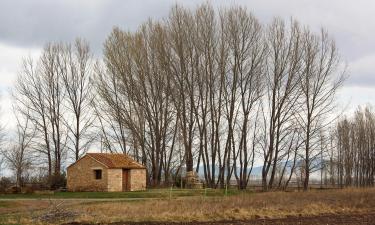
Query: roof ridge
107, 153
116, 160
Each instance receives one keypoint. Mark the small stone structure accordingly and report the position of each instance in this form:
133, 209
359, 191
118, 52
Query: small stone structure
106, 172
192, 180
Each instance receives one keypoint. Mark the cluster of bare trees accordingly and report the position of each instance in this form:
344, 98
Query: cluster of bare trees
51, 104
354, 158
205, 90
212, 90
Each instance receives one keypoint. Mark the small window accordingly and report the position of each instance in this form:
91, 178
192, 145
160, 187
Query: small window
98, 174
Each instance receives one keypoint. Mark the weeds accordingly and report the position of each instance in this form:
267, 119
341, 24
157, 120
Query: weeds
242, 206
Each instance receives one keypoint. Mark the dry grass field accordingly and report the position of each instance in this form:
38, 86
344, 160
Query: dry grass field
241, 207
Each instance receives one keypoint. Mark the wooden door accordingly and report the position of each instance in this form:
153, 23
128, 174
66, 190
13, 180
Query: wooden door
125, 180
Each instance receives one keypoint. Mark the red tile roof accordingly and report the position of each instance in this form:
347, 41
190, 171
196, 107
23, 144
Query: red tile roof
116, 160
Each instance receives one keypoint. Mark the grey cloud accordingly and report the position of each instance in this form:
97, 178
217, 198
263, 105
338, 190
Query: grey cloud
362, 71
361, 80
32, 23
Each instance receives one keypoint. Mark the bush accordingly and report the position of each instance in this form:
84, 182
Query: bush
57, 181
5, 184
27, 189
13, 190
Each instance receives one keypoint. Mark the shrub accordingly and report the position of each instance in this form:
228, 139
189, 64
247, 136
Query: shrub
57, 181
5, 184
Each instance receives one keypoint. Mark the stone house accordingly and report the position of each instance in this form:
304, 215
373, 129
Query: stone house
106, 172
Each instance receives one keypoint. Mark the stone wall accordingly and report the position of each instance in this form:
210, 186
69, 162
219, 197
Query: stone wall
137, 179
115, 180
81, 176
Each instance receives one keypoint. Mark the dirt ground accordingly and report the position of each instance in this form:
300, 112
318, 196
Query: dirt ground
347, 206
346, 219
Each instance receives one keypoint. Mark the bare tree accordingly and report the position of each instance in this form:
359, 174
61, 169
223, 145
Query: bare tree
282, 82
245, 83
39, 95
138, 91
319, 85
211, 48
354, 162
77, 83
19, 155
2, 142
52, 69
184, 58
31, 101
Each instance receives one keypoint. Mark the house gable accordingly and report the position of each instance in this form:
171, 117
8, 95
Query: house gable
81, 175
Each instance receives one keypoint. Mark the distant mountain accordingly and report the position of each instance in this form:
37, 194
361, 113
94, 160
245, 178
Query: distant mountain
257, 170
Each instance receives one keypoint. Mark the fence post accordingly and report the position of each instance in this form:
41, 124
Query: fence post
226, 189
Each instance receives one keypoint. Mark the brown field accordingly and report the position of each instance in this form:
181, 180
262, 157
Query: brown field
349, 206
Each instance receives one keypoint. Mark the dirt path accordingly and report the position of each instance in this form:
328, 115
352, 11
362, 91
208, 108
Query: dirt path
347, 219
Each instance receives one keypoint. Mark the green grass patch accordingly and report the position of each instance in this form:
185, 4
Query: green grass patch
150, 193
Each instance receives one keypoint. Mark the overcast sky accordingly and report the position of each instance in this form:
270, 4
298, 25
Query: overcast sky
26, 25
